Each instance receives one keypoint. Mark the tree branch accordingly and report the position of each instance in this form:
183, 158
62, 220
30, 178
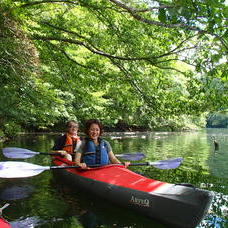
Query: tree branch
134, 14
90, 48
73, 60
134, 84
48, 1
62, 29
152, 22
95, 50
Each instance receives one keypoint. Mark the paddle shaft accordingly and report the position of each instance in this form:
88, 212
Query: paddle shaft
51, 153
14, 169
128, 156
98, 165
72, 166
140, 164
131, 157
20, 153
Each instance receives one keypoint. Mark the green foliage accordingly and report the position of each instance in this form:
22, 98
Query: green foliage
26, 98
136, 63
11, 129
1, 134
162, 15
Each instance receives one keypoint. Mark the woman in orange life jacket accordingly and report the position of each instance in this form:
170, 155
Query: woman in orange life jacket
93, 149
69, 142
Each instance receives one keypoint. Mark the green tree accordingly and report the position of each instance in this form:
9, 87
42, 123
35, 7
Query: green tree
144, 63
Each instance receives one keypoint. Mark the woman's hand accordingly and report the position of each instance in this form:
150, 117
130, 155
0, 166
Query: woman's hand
126, 164
62, 152
82, 165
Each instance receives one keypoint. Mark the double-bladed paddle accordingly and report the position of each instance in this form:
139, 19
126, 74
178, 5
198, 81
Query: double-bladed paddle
14, 169
15, 152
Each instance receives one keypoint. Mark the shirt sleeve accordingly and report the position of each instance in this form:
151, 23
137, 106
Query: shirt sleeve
108, 146
81, 147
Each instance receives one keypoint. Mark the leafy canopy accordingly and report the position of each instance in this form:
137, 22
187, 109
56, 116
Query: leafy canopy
118, 60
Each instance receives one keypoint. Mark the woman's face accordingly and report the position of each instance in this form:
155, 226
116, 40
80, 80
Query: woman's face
94, 131
72, 129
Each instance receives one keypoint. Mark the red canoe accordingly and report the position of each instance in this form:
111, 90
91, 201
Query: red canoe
175, 205
4, 223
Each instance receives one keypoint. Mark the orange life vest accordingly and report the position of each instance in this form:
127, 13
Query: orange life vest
70, 143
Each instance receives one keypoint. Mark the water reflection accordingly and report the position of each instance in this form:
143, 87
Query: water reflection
60, 206
15, 192
93, 212
31, 222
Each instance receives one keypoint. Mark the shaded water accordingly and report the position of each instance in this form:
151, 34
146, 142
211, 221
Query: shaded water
41, 201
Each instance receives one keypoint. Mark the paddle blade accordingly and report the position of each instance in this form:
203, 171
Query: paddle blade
13, 169
167, 164
15, 152
16, 192
131, 156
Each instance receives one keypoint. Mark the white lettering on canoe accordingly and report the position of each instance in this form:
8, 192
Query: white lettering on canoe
140, 202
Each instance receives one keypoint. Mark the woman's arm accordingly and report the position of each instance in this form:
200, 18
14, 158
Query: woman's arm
113, 159
78, 155
78, 161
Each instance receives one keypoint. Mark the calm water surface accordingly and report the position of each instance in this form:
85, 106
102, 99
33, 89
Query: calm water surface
41, 201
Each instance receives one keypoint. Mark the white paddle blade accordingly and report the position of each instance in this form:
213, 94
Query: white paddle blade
15, 152
14, 169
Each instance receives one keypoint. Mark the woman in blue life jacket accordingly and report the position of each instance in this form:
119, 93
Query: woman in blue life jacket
93, 149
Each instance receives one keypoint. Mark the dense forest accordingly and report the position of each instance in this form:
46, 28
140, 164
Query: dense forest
133, 64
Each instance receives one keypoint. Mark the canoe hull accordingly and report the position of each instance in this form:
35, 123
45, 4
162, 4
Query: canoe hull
4, 223
173, 205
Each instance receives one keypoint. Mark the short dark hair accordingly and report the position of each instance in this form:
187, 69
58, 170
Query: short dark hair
69, 123
90, 122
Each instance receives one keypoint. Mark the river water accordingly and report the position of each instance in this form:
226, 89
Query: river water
41, 201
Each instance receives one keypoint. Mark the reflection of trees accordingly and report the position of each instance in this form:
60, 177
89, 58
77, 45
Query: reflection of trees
48, 202
94, 212
218, 163
218, 120
198, 178
218, 216
193, 146
219, 200
218, 159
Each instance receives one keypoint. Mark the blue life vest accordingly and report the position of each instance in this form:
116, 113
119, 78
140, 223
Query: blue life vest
95, 154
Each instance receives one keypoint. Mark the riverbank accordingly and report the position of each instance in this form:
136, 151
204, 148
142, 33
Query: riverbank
115, 132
